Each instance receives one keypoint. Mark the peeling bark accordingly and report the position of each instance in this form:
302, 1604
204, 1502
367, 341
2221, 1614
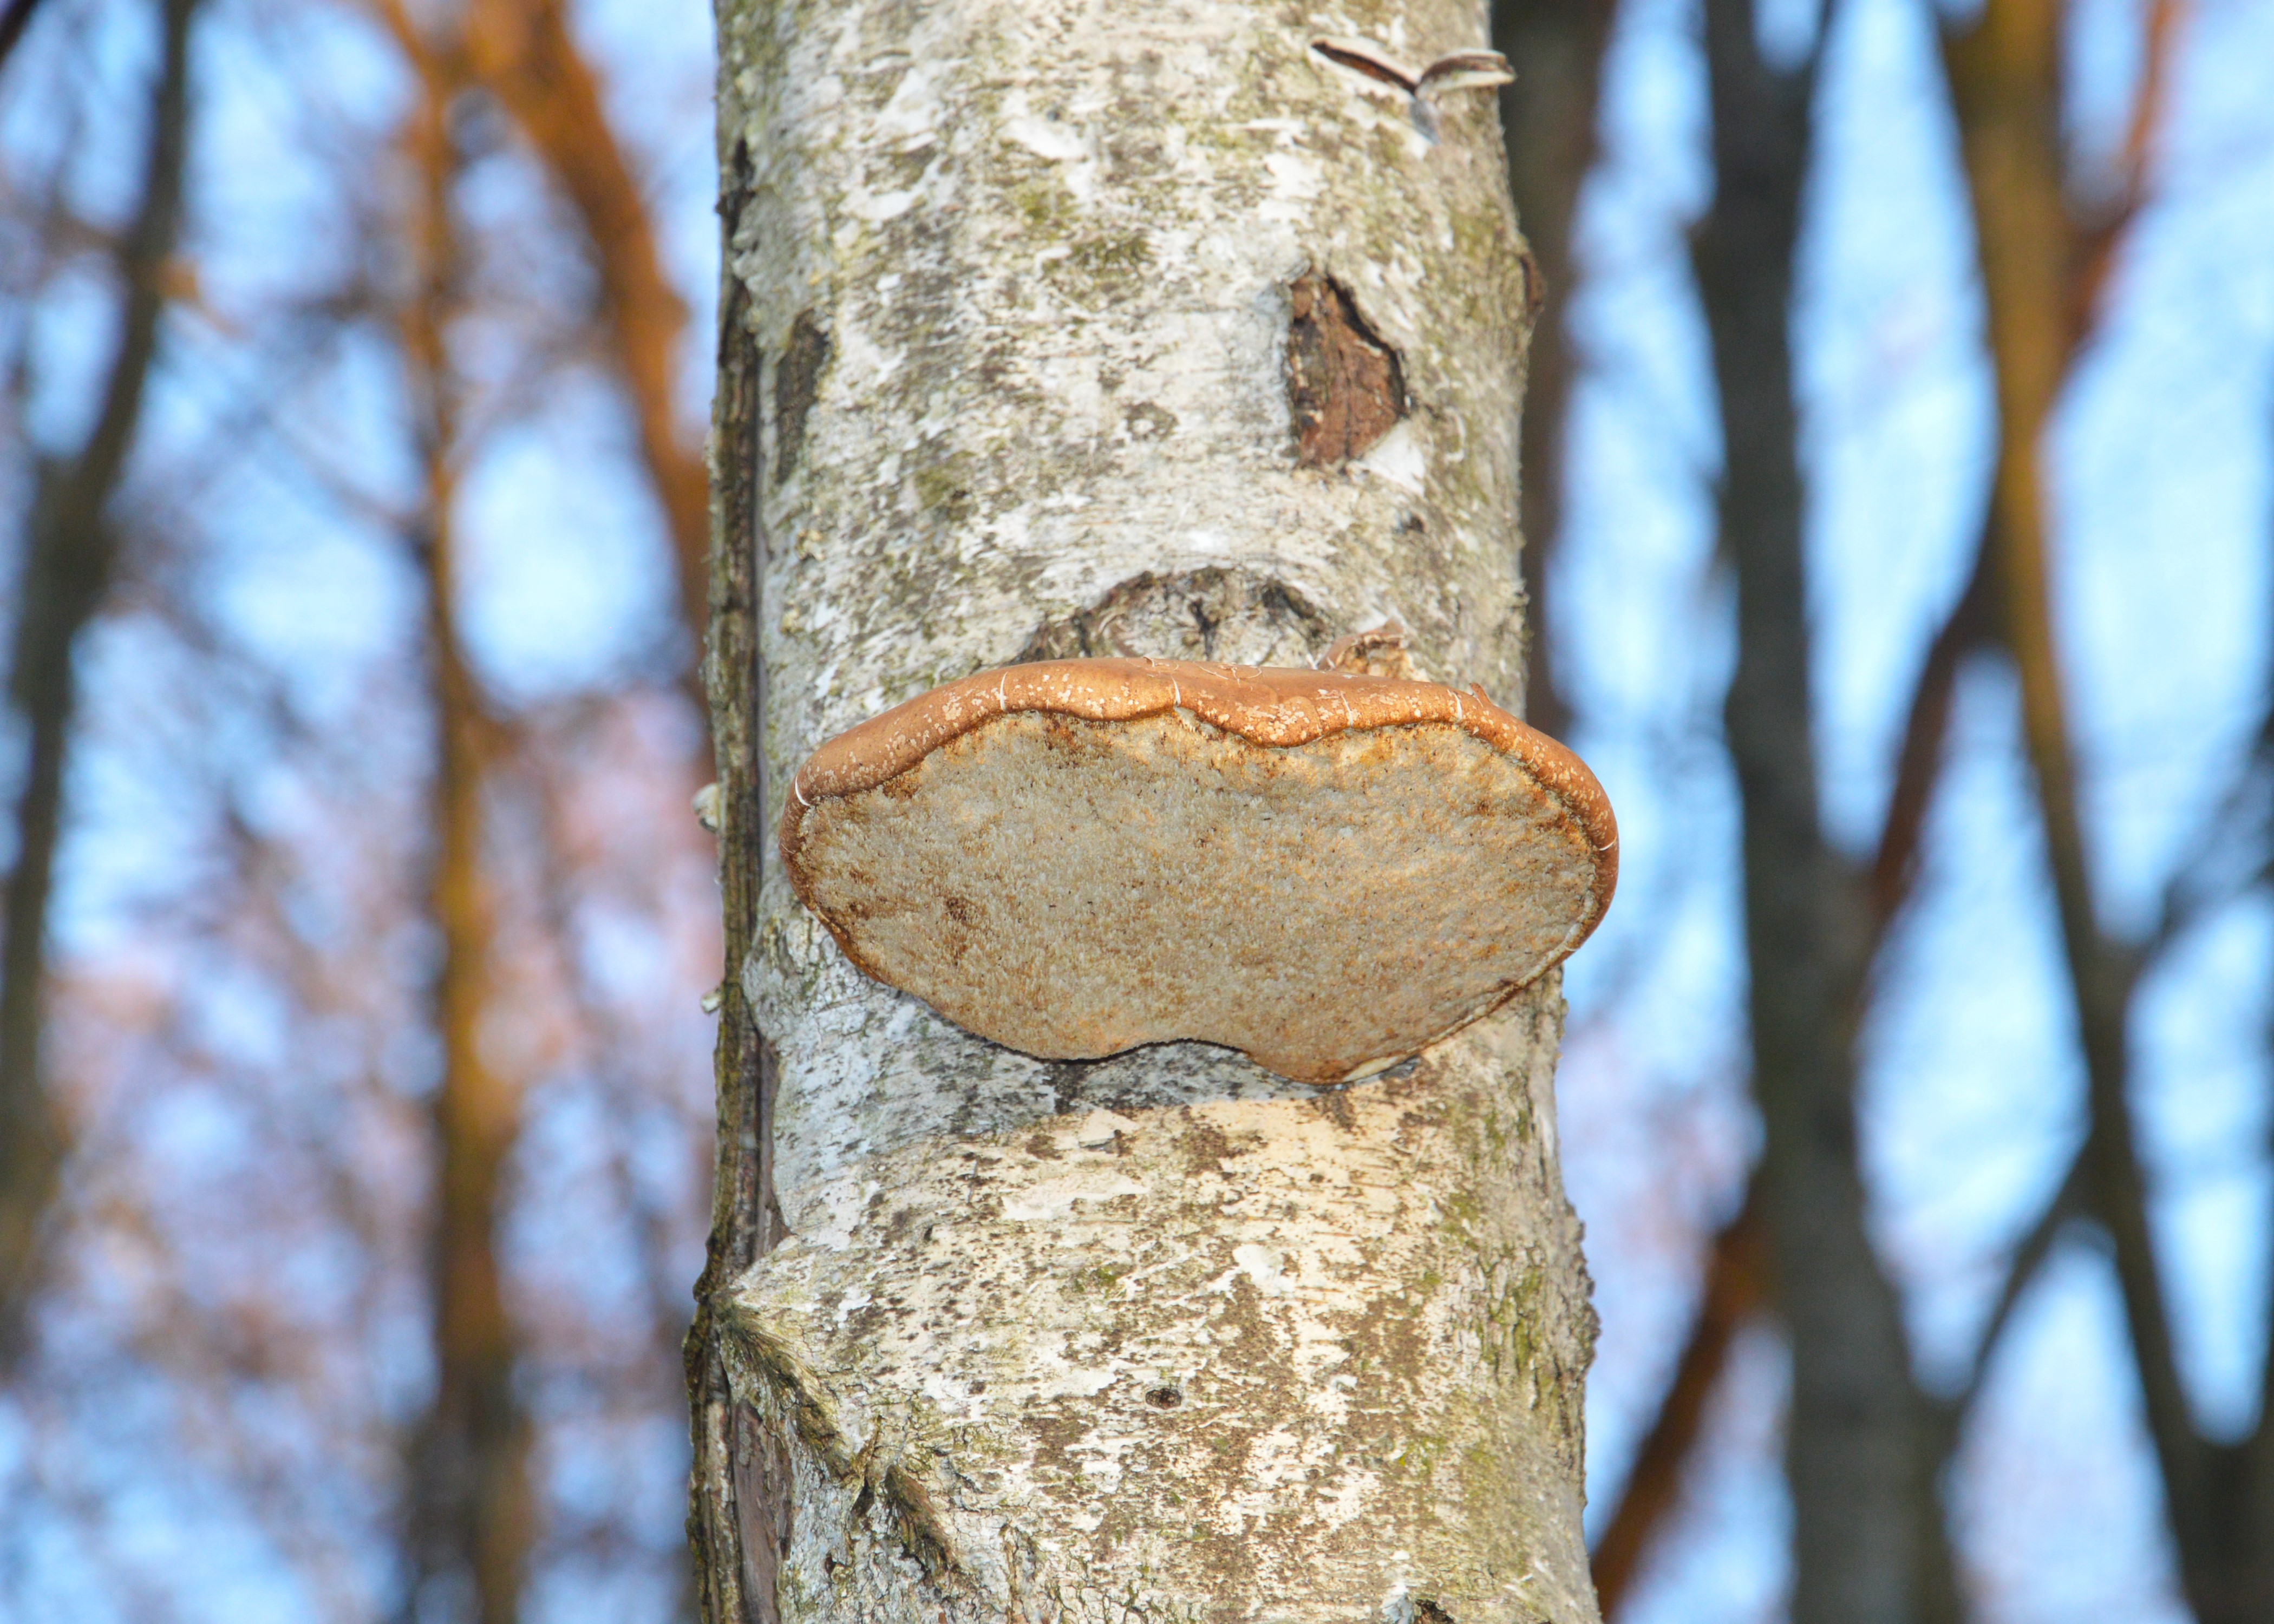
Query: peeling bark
1164, 1337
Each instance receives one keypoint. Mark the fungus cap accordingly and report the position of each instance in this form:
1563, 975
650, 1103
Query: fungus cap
1326, 870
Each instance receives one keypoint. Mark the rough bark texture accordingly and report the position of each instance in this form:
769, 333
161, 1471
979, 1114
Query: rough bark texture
1164, 1337
71, 549
738, 1507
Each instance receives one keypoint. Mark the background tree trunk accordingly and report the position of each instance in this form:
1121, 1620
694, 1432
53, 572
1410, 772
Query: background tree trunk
1861, 1445
469, 1511
2045, 260
1556, 48
73, 549
1004, 371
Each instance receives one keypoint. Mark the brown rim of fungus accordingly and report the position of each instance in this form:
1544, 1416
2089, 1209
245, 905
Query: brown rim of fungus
1280, 710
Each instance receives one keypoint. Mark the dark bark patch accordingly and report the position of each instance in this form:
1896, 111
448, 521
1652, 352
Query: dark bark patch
797, 385
761, 1472
1206, 1147
1144, 420
1345, 387
1535, 285
1065, 1078
1334, 1104
1205, 614
916, 1520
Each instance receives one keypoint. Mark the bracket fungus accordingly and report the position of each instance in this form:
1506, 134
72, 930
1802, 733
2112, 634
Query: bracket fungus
1324, 869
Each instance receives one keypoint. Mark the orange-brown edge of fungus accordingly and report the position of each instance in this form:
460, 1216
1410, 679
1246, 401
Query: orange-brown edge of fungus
1272, 706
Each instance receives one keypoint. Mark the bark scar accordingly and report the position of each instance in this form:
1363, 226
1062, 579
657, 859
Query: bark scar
797, 385
771, 1360
1345, 387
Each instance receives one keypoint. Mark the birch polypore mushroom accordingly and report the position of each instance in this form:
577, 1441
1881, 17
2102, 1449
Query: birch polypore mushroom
1131, 330
1326, 870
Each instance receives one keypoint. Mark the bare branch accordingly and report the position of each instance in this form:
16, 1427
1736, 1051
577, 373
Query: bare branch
2028, 1256
1737, 1289
2004, 76
523, 50
1918, 760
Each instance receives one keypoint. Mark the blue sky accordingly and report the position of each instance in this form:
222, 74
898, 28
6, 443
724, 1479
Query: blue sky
1972, 1088
2160, 459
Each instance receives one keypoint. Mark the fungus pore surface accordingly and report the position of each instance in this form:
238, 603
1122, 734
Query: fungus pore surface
1326, 870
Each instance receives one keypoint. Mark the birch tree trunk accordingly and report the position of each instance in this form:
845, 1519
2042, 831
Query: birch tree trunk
1054, 328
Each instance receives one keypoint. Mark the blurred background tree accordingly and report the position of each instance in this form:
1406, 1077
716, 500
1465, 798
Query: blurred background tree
1899, 450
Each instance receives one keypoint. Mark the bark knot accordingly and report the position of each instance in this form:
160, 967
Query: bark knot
1345, 386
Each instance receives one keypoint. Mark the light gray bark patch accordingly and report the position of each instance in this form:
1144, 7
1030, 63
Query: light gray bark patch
1322, 1283
1345, 386
797, 385
1233, 615
1050, 247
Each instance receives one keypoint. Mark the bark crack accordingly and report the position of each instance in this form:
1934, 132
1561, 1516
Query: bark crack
797, 385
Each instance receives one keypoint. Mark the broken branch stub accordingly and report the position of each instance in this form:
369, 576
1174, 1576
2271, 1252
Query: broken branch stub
1326, 870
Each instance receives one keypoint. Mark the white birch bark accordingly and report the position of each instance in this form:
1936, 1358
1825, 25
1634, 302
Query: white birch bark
1162, 1337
